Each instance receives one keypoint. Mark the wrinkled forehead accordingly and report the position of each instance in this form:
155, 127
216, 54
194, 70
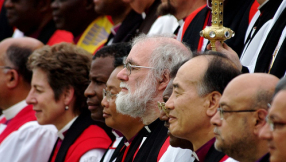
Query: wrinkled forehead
140, 54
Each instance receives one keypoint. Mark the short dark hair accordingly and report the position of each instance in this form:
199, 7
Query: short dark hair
220, 71
116, 50
262, 98
175, 69
18, 56
66, 66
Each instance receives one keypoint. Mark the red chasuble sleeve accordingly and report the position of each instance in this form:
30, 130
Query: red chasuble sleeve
24, 116
93, 137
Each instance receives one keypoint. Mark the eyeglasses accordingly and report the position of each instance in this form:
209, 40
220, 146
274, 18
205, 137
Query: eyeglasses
129, 67
274, 125
270, 122
5, 67
161, 106
109, 96
221, 111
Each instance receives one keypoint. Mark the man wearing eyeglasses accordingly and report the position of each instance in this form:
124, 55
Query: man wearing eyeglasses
21, 137
241, 116
274, 131
143, 80
197, 89
125, 125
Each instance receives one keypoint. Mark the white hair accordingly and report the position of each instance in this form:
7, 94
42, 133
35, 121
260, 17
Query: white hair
166, 55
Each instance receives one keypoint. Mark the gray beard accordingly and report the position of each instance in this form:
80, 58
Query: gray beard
136, 104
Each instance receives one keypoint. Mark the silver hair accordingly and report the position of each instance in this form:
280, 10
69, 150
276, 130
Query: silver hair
167, 53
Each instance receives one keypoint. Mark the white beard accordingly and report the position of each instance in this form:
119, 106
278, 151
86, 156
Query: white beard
136, 104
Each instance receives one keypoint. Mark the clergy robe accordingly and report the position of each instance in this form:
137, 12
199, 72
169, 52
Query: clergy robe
257, 33
274, 44
150, 144
84, 135
127, 30
150, 18
23, 139
208, 153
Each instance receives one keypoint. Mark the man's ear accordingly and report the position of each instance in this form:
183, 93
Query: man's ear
165, 79
68, 95
259, 117
12, 78
212, 103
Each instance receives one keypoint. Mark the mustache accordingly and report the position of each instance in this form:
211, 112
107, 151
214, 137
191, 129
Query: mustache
216, 131
124, 85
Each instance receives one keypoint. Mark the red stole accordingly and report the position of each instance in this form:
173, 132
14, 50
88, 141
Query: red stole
253, 11
190, 18
58, 145
125, 152
164, 148
224, 158
25, 115
93, 137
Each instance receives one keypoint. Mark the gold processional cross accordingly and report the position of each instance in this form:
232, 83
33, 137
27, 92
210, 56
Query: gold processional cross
217, 31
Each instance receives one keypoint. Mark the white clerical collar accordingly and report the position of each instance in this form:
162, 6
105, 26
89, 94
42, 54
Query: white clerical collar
147, 128
12, 111
65, 128
143, 15
181, 22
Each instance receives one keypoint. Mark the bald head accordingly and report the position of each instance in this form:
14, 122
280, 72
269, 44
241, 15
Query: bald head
194, 70
23, 42
26, 42
16, 78
14, 53
255, 89
246, 96
213, 76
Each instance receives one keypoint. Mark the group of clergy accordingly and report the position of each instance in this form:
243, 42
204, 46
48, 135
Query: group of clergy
161, 96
